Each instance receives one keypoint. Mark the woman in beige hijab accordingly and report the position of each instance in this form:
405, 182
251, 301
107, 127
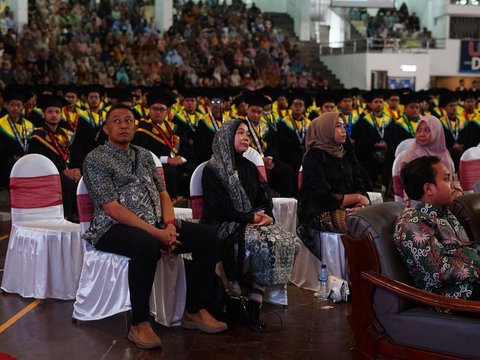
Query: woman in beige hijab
332, 176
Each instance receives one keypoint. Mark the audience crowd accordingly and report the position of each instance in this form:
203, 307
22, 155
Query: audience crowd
120, 45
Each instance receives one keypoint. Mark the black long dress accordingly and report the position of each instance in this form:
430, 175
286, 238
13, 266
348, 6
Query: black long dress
218, 208
323, 177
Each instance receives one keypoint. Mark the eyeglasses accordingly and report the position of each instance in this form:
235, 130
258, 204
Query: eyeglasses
158, 109
216, 102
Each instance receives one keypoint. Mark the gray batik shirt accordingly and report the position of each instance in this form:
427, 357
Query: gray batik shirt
129, 177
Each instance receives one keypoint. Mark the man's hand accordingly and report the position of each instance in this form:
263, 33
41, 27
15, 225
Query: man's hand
175, 161
268, 162
73, 174
168, 238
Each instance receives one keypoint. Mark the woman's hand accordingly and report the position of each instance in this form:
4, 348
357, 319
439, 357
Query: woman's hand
261, 219
362, 201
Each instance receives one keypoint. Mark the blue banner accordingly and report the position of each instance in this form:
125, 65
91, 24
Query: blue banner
470, 56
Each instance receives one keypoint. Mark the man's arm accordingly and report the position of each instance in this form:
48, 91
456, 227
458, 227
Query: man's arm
122, 215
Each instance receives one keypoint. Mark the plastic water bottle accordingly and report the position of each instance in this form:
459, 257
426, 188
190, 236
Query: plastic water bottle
323, 292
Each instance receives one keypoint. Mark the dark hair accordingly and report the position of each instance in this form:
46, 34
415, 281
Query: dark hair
115, 107
417, 173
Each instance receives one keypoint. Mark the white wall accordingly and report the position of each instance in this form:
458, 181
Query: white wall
299, 10
354, 70
277, 6
350, 68
445, 62
391, 63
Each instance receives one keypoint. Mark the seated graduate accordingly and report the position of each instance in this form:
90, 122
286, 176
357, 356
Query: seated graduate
431, 241
53, 141
157, 134
134, 217
239, 206
332, 177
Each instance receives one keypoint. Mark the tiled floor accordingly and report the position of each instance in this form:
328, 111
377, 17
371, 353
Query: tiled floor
306, 330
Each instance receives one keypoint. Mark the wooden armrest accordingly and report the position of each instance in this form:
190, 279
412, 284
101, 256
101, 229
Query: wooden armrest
420, 296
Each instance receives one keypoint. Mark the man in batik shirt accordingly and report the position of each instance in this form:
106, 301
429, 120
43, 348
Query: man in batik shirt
431, 241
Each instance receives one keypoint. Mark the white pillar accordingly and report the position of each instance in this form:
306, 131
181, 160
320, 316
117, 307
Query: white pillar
163, 14
20, 12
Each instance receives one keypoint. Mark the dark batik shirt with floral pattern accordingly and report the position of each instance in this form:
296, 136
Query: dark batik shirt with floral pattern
129, 177
437, 251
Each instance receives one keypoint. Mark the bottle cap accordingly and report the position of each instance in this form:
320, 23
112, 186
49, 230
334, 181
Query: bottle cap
324, 266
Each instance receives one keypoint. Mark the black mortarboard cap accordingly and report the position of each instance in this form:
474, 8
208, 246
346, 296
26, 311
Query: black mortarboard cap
447, 98
468, 95
324, 96
190, 93
256, 99
238, 100
375, 94
13, 92
342, 94
160, 96
124, 95
49, 100
71, 88
409, 98
99, 89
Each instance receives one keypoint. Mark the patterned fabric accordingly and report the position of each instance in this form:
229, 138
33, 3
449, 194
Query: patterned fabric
272, 253
129, 177
437, 251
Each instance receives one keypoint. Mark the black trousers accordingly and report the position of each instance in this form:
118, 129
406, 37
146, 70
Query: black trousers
144, 253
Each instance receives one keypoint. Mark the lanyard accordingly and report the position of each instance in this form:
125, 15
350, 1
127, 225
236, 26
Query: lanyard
454, 131
380, 131
271, 119
23, 142
349, 124
214, 121
73, 124
92, 119
170, 143
409, 125
300, 134
257, 137
190, 125
63, 152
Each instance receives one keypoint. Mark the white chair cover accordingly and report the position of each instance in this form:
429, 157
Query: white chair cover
44, 251
103, 288
285, 213
403, 146
180, 213
469, 169
307, 266
255, 157
196, 191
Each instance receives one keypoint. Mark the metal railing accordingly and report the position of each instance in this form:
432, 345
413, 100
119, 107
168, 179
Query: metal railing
380, 45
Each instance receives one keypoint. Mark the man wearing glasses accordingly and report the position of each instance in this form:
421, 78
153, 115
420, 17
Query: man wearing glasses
208, 127
158, 134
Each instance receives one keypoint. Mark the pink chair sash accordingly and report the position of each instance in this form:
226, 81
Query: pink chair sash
35, 192
196, 203
300, 179
397, 186
469, 173
263, 173
85, 207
